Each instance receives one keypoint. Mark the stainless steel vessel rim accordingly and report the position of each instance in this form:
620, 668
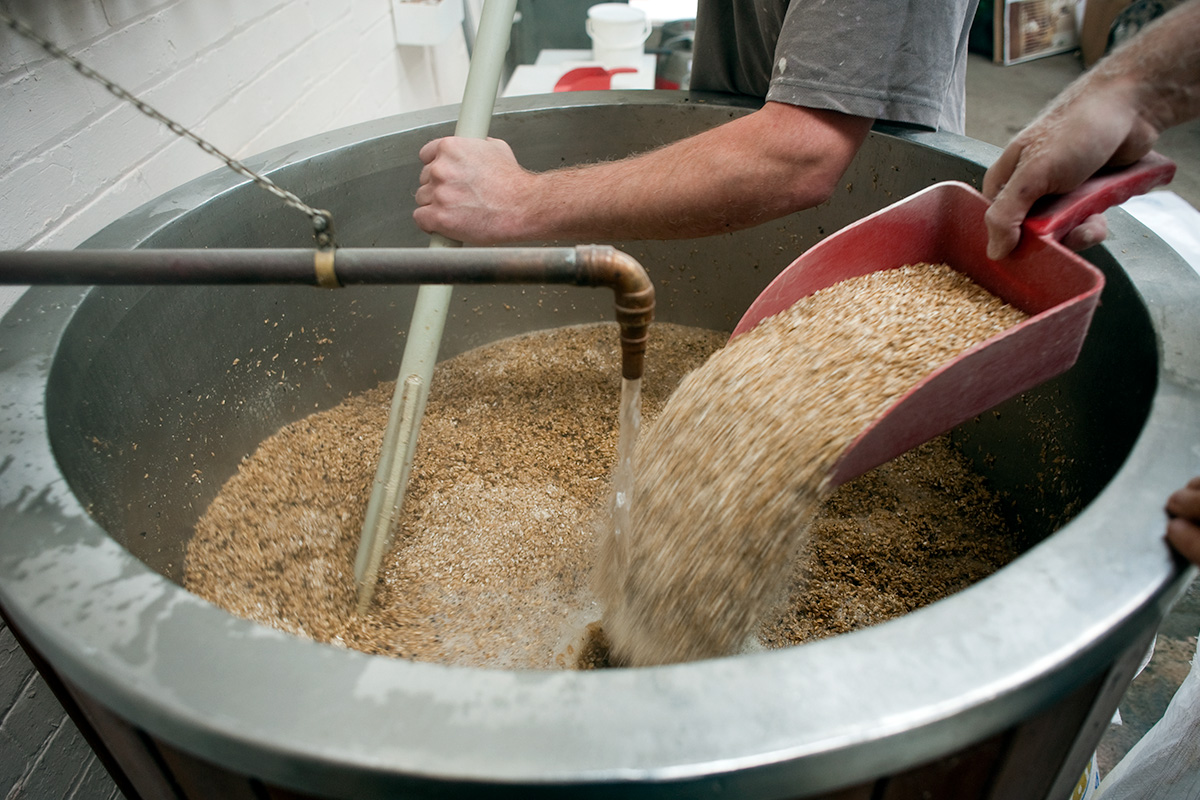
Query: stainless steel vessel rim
678, 721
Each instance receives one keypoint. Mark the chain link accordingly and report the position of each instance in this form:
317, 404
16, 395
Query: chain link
322, 221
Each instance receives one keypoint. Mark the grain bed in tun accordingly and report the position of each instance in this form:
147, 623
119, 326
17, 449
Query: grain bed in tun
503, 557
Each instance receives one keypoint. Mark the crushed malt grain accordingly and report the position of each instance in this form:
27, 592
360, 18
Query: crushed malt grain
490, 566
490, 563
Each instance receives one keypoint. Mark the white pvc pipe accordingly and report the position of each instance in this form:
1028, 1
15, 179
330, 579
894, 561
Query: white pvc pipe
429, 317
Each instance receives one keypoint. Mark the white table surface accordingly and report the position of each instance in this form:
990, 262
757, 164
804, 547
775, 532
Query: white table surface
550, 65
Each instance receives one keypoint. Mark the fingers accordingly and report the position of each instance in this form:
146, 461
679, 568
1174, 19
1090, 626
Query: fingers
438, 157
426, 189
425, 194
1004, 228
1091, 231
429, 152
1020, 176
467, 189
1186, 502
1006, 214
1184, 536
1183, 530
999, 172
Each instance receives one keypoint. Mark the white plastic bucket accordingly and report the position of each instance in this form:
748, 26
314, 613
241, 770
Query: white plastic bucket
619, 32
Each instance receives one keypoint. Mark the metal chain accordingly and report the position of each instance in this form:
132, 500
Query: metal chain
322, 221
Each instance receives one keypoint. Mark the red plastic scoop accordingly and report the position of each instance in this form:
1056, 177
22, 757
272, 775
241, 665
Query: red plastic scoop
584, 79
944, 225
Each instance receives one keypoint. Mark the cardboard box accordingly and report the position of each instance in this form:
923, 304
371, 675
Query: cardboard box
1027, 29
1098, 18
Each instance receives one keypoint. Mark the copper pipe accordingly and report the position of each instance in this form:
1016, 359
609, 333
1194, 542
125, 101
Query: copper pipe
634, 300
587, 265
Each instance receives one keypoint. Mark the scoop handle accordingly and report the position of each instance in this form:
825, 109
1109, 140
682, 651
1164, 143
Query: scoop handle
1056, 216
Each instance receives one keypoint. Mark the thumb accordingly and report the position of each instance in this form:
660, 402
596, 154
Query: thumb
1003, 219
1013, 199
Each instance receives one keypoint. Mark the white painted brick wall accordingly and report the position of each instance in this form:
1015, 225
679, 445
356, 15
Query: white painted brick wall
249, 75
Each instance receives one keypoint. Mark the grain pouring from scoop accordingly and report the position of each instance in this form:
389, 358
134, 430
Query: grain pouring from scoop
736, 465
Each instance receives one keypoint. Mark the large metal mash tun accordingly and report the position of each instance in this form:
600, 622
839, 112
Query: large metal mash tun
1001, 690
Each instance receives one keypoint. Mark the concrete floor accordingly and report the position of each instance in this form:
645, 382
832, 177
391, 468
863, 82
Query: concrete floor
1000, 101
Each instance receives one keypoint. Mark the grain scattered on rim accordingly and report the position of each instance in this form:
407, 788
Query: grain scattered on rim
736, 465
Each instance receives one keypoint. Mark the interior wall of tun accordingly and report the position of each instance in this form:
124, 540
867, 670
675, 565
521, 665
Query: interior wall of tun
248, 75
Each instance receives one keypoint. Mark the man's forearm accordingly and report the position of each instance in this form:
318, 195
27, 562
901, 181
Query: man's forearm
772, 162
748, 171
1163, 63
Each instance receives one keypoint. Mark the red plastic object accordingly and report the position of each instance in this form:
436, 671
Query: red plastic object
944, 225
583, 79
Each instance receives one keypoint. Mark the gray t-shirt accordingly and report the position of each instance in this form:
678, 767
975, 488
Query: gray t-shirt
902, 61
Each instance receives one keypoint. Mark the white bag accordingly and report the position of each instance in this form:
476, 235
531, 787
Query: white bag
1165, 764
